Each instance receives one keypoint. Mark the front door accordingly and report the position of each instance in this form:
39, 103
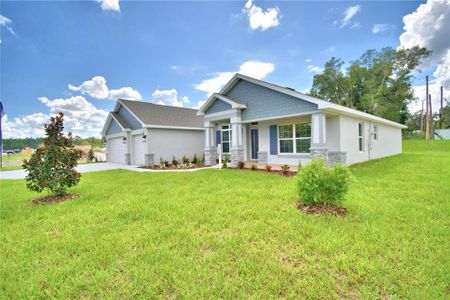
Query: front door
254, 141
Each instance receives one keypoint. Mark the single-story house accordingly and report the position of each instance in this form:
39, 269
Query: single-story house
141, 133
253, 120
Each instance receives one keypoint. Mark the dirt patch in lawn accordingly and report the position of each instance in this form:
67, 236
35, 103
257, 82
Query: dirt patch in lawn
54, 199
321, 209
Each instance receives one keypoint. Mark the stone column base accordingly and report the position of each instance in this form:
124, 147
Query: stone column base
127, 158
319, 153
262, 157
210, 157
149, 160
236, 156
337, 157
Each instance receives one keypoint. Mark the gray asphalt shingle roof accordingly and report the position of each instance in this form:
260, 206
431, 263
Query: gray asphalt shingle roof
120, 120
163, 115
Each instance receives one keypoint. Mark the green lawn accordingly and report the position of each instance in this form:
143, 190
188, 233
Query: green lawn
233, 234
13, 161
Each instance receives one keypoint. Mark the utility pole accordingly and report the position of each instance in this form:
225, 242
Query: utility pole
427, 122
442, 107
421, 120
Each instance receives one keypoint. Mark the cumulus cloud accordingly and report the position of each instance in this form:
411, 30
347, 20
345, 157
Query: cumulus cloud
6, 23
349, 13
169, 97
260, 19
110, 5
429, 26
81, 118
256, 69
377, 28
97, 88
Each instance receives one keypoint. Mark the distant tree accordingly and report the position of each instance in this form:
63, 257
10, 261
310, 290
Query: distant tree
90, 155
446, 117
52, 167
414, 120
379, 82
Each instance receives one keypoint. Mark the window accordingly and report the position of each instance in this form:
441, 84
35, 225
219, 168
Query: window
361, 136
375, 132
226, 138
298, 143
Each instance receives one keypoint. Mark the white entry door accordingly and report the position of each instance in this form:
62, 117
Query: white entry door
116, 150
137, 150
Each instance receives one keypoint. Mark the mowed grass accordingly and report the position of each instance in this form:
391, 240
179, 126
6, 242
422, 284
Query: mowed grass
233, 234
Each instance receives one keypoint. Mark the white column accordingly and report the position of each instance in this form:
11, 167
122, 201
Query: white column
318, 130
128, 147
210, 144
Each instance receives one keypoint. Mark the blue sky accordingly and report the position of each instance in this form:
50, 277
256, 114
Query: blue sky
79, 56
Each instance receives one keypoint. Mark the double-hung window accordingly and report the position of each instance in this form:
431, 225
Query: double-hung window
361, 136
294, 138
226, 138
375, 132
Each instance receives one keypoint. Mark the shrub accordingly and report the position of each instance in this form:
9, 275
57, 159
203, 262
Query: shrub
318, 184
167, 163
162, 162
195, 159
254, 167
285, 169
225, 162
52, 167
185, 160
174, 161
90, 155
241, 164
268, 168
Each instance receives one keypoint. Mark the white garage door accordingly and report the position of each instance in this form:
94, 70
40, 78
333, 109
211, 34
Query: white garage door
137, 150
116, 150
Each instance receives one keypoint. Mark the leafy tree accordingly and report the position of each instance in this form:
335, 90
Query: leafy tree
446, 117
379, 82
90, 155
52, 167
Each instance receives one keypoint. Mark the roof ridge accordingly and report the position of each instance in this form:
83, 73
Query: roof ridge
151, 103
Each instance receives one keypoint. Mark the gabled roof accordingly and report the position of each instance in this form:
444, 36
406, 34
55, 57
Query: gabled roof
155, 115
322, 104
233, 102
120, 120
114, 116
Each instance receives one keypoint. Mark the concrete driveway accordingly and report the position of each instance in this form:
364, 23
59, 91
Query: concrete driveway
83, 168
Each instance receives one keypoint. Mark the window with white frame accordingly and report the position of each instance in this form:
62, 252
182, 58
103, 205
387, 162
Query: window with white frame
361, 136
375, 132
226, 138
294, 138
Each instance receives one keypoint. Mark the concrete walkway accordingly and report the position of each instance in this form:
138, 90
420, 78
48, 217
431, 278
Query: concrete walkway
85, 168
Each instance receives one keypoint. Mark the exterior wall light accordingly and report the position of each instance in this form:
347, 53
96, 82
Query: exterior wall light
144, 138
124, 140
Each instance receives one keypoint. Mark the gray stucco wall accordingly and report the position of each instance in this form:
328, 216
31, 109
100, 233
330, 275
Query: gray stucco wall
128, 117
218, 106
265, 103
114, 127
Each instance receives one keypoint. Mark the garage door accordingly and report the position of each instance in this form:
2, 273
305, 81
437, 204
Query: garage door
137, 150
116, 150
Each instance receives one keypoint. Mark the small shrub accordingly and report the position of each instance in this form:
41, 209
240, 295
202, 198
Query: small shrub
285, 169
268, 168
162, 162
254, 167
167, 163
195, 159
52, 167
318, 184
240, 164
174, 161
90, 155
225, 162
203, 158
185, 160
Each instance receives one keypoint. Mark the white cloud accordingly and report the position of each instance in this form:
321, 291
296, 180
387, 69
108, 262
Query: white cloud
377, 28
256, 69
429, 26
349, 13
110, 5
96, 87
169, 97
314, 69
260, 19
81, 118
174, 67
125, 93
5, 22
308, 60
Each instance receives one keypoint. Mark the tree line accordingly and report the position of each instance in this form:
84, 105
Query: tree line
34, 143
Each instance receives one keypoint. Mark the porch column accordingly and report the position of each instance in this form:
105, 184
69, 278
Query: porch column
319, 148
210, 147
237, 148
128, 148
149, 159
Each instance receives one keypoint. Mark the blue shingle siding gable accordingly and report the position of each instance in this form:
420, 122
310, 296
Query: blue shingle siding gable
129, 118
113, 127
263, 102
218, 106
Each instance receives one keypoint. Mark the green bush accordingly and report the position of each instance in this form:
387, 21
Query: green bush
91, 156
254, 167
225, 162
318, 184
285, 169
52, 167
241, 164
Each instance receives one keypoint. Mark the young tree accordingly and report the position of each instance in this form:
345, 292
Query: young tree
52, 167
90, 155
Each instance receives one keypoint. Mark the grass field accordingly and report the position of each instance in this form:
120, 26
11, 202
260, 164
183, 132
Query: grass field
13, 161
233, 234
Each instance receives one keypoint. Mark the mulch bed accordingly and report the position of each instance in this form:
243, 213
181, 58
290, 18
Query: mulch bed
54, 199
278, 172
158, 167
321, 209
